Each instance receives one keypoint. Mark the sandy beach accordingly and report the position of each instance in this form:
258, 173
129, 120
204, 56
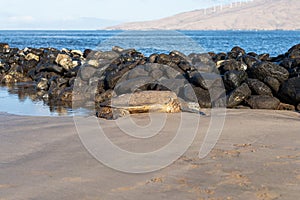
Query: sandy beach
256, 157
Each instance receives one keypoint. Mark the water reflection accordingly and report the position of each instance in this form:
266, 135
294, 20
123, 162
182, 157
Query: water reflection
24, 99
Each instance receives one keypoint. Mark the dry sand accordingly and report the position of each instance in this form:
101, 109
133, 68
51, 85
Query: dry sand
257, 157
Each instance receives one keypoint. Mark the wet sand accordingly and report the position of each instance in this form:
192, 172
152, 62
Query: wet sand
256, 157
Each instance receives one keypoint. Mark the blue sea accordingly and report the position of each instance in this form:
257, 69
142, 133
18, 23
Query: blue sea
273, 42
148, 42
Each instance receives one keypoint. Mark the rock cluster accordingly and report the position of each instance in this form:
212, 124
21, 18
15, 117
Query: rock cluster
234, 79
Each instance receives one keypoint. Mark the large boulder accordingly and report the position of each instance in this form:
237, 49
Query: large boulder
259, 88
231, 64
273, 83
294, 52
234, 78
263, 102
203, 79
290, 91
267, 69
197, 94
132, 85
238, 95
87, 72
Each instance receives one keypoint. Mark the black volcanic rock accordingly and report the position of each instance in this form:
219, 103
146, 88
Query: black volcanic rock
268, 69
263, 102
294, 52
273, 83
259, 88
238, 95
249, 60
234, 78
290, 91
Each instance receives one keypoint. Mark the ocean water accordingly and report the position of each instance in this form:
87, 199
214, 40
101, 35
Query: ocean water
19, 100
273, 42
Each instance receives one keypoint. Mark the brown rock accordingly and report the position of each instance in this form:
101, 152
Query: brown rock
65, 61
4, 46
32, 56
283, 106
111, 113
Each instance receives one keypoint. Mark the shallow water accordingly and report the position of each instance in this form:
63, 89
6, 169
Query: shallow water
21, 99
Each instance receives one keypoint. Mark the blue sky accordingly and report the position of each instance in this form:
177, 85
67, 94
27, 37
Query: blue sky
22, 13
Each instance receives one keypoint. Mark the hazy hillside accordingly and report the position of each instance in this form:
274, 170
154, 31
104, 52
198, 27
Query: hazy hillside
253, 15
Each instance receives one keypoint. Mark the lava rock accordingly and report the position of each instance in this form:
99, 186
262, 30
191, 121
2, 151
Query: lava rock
273, 83
66, 95
202, 79
249, 60
234, 78
65, 61
264, 57
204, 63
259, 88
197, 94
290, 91
267, 69
294, 52
87, 72
164, 59
294, 72
219, 57
235, 53
238, 51
174, 85
32, 56
132, 85
238, 95
42, 84
4, 48
108, 55
157, 74
153, 58
49, 67
263, 102
138, 71
231, 64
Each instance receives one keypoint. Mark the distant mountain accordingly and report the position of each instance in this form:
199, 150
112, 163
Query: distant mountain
251, 15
